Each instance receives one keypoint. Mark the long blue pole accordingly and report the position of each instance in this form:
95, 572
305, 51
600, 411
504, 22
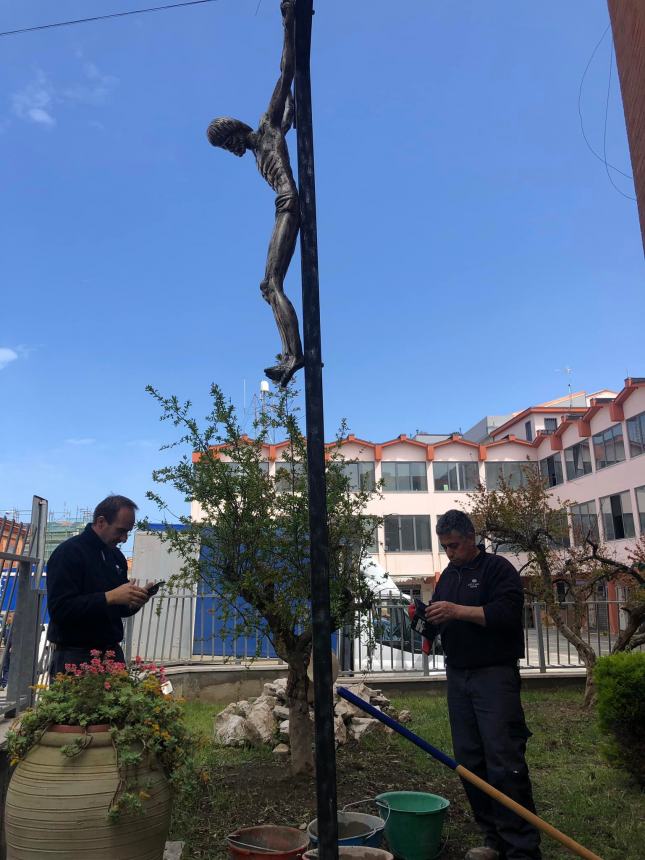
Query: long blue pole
469, 776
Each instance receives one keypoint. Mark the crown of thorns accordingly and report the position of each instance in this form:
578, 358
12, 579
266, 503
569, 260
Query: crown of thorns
221, 129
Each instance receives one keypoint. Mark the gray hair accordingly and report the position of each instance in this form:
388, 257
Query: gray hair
455, 521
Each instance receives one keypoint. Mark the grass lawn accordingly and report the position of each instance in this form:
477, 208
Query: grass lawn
575, 789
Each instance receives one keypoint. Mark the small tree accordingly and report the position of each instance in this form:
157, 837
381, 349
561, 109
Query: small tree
528, 521
251, 537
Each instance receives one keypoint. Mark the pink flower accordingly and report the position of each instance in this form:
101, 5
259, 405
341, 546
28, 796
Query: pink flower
138, 660
95, 653
107, 685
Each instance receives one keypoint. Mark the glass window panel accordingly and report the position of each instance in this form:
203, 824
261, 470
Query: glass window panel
388, 473
440, 472
418, 477
407, 534
636, 434
423, 537
640, 502
366, 476
392, 534
470, 476
609, 446
617, 516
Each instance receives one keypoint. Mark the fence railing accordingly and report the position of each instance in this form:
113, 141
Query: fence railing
185, 628
22, 627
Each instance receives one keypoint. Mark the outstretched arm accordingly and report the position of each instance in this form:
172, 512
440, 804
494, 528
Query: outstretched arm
276, 109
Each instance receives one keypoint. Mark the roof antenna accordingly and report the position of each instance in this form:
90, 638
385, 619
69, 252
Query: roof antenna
568, 371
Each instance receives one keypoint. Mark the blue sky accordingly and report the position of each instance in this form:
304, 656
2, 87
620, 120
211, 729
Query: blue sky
470, 243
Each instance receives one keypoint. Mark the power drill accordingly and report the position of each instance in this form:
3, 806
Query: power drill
417, 613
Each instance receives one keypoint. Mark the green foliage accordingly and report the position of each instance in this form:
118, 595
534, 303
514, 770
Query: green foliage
250, 538
620, 682
143, 721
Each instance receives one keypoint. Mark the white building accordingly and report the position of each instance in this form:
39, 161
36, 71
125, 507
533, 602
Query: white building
589, 447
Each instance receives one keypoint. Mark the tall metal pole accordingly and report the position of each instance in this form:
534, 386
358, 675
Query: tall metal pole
319, 538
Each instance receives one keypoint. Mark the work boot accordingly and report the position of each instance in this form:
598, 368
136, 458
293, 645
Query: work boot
482, 853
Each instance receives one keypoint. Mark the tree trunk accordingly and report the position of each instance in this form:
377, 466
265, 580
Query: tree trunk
301, 727
590, 688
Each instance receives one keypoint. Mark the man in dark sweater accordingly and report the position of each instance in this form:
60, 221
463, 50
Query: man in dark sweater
88, 592
477, 608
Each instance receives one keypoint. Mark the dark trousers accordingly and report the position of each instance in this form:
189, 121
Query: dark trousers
489, 735
63, 656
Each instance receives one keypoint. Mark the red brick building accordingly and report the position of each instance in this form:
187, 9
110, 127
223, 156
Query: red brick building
628, 27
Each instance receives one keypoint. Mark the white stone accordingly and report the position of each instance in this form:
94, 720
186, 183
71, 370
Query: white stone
173, 851
359, 727
340, 731
405, 717
281, 712
260, 721
280, 685
283, 730
281, 751
232, 731
269, 689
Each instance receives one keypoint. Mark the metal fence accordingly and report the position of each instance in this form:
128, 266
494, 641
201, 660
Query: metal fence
22, 608
188, 628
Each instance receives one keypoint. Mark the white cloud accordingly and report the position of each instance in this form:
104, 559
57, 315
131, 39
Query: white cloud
37, 101
34, 103
7, 356
93, 90
80, 441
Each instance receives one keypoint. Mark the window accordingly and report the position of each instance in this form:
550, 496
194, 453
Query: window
584, 520
404, 477
577, 460
551, 469
513, 473
372, 547
288, 476
640, 503
617, 517
238, 469
528, 431
558, 525
636, 434
407, 534
608, 446
361, 475
455, 476
550, 425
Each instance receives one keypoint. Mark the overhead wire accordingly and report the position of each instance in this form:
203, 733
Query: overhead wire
582, 125
105, 17
604, 134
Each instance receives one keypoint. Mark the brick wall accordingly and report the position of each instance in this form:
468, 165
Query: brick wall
628, 27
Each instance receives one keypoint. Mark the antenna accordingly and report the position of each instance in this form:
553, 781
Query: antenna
568, 370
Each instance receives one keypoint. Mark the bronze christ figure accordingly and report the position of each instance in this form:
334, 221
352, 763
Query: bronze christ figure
269, 146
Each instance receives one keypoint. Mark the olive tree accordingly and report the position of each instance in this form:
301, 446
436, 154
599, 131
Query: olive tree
528, 521
250, 536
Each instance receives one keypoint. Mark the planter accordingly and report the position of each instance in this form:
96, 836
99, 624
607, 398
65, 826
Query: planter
57, 807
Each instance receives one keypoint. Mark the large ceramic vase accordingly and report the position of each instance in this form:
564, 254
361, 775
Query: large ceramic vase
57, 806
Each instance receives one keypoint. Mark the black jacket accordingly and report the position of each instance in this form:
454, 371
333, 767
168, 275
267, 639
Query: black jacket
492, 582
79, 572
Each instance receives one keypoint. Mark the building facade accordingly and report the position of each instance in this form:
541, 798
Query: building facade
589, 448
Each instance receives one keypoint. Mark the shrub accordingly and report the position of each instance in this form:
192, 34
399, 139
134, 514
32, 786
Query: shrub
620, 680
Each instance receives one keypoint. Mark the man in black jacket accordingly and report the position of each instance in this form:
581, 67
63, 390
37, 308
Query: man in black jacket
477, 608
88, 592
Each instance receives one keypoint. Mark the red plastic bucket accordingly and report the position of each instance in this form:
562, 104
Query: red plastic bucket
255, 843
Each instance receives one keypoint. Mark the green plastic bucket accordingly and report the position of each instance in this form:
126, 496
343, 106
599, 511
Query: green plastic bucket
413, 828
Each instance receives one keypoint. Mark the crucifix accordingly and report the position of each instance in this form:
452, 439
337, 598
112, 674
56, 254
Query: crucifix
296, 212
269, 146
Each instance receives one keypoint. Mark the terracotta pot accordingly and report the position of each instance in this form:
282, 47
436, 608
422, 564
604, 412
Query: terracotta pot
57, 806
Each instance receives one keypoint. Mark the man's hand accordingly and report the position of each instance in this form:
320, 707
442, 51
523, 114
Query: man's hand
288, 9
442, 611
127, 594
